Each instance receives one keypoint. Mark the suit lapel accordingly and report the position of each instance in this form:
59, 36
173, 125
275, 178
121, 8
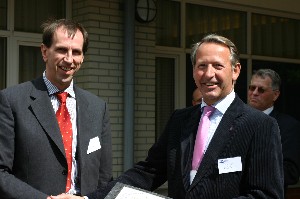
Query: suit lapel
187, 142
42, 108
220, 140
83, 126
274, 114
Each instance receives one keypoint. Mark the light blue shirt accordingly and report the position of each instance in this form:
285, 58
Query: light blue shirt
221, 107
215, 119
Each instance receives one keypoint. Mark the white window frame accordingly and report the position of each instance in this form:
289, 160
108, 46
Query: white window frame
16, 39
180, 84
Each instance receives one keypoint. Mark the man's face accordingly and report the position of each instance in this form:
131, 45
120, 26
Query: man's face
213, 73
63, 58
260, 93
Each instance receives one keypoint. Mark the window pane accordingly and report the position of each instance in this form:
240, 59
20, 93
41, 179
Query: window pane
31, 63
3, 14
201, 20
30, 14
168, 23
290, 81
275, 36
164, 107
2, 63
241, 84
190, 83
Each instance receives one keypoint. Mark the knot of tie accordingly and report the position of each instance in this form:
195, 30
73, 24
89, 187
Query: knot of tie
62, 97
208, 110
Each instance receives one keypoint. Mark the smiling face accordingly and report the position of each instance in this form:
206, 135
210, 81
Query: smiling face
213, 72
63, 58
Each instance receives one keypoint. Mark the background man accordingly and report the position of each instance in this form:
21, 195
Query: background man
264, 90
197, 97
35, 160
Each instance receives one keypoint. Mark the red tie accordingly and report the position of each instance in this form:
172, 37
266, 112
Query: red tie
201, 137
65, 125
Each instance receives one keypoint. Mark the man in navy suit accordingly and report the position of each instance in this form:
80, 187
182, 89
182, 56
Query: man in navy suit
242, 156
264, 90
32, 155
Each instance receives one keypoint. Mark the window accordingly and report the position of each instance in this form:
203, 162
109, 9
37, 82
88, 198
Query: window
168, 23
165, 77
202, 20
275, 36
20, 56
30, 14
2, 63
31, 63
3, 15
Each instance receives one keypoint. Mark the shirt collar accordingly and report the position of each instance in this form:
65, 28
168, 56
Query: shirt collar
223, 104
52, 89
268, 110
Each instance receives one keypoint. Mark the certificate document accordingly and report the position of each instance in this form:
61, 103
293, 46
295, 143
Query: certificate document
123, 191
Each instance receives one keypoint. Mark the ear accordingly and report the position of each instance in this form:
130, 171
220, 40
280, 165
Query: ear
236, 71
276, 95
44, 52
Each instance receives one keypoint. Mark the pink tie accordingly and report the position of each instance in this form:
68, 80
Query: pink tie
201, 137
65, 125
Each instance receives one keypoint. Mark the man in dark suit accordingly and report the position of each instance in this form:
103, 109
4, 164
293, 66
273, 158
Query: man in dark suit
33, 161
242, 156
264, 90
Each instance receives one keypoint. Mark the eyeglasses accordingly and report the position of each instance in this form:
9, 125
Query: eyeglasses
260, 90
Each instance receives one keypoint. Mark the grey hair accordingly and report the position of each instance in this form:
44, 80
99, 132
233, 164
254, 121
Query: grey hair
263, 73
214, 38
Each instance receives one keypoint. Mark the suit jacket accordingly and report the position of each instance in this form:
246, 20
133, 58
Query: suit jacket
243, 132
32, 157
290, 140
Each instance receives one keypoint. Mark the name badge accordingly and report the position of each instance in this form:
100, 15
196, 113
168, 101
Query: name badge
228, 165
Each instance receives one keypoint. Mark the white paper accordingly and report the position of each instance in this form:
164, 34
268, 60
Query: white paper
94, 145
129, 193
228, 165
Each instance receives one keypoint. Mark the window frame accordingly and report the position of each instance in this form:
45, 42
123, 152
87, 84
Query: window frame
15, 39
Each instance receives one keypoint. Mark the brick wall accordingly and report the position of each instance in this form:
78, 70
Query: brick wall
144, 89
102, 72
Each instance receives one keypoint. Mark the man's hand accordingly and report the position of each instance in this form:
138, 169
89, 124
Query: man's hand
66, 196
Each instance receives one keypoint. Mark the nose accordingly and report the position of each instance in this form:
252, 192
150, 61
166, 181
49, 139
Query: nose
255, 92
210, 71
69, 57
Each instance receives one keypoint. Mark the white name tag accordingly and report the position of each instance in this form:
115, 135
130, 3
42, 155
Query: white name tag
228, 165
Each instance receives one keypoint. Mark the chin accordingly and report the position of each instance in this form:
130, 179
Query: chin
67, 79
